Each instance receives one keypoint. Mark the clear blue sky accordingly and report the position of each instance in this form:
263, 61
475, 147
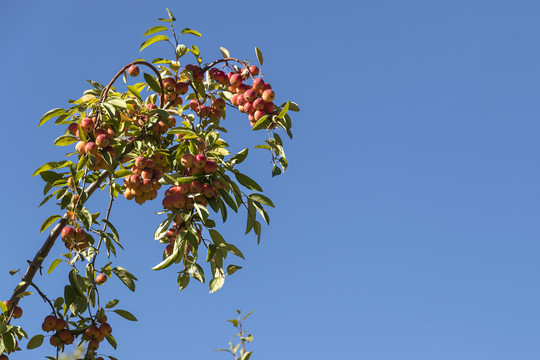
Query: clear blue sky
407, 225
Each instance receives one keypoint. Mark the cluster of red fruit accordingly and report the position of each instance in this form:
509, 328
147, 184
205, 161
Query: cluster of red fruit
171, 234
144, 183
17, 311
255, 100
62, 335
74, 238
97, 139
183, 196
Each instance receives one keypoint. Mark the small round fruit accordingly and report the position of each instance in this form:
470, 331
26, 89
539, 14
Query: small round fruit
100, 279
133, 70
49, 323
87, 125
254, 70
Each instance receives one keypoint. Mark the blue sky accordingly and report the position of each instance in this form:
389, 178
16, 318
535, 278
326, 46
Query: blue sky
407, 224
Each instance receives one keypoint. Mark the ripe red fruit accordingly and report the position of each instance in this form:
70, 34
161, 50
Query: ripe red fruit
91, 148
100, 279
258, 114
250, 95
169, 250
178, 201
208, 190
167, 203
102, 141
5, 357
133, 70
140, 162
102, 319
182, 189
73, 129
147, 174
236, 80
194, 105
249, 108
234, 99
196, 187
151, 107
64, 335
268, 107
68, 233
87, 125
258, 84
254, 70
215, 114
242, 88
8, 304
210, 167
200, 161
259, 104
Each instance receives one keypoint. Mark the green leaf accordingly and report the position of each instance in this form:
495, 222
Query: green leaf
247, 181
188, 133
126, 315
216, 284
168, 261
122, 173
152, 82
52, 165
228, 199
231, 269
183, 281
135, 91
258, 52
112, 303
154, 30
65, 140
85, 217
283, 111
191, 31
234, 250
35, 342
48, 222
171, 16
246, 356
217, 239
125, 276
293, 106
239, 157
262, 123
152, 40
262, 199
54, 265
111, 340
117, 102
51, 114
3, 307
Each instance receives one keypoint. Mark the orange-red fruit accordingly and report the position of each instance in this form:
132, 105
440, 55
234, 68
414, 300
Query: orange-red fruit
79, 147
169, 250
259, 104
178, 201
268, 95
133, 70
73, 129
250, 95
100, 279
93, 345
87, 125
140, 162
64, 335
80, 235
105, 329
92, 332
167, 203
182, 88
269, 107
218, 104
258, 84
210, 167
259, 114
254, 70
91, 148
5, 357
60, 324
187, 160
208, 191
102, 319
169, 84
49, 323
147, 174
196, 187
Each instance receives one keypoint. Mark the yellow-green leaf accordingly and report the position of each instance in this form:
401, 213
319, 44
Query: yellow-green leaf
152, 40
